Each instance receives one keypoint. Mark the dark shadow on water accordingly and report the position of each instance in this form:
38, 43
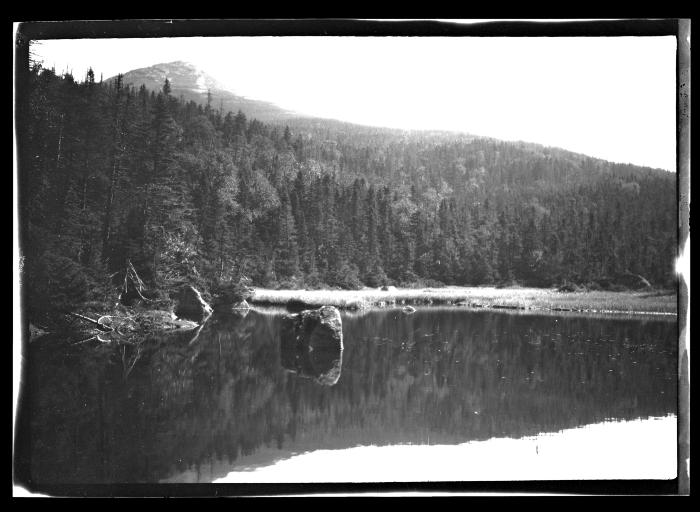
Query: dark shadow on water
97, 413
323, 366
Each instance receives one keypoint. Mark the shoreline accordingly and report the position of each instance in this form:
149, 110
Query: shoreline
661, 303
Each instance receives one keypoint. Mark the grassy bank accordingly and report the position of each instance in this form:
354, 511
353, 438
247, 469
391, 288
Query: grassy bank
663, 302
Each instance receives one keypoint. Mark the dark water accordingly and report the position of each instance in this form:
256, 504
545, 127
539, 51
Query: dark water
96, 413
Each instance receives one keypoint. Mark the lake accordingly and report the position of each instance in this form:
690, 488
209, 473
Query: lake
442, 394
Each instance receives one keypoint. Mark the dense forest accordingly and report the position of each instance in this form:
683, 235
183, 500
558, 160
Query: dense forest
189, 193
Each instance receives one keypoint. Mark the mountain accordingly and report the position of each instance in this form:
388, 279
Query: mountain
191, 83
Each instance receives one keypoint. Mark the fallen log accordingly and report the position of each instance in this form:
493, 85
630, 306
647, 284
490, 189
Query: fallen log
96, 322
86, 340
120, 324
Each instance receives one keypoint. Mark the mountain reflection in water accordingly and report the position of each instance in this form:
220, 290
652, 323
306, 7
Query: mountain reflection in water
179, 403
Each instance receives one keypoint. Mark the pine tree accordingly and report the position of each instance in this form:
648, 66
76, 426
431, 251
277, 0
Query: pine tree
287, 252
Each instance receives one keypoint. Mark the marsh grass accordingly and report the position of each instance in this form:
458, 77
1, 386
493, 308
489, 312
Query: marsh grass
479, 297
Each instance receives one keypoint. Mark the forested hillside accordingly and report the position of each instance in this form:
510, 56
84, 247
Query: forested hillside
190, 193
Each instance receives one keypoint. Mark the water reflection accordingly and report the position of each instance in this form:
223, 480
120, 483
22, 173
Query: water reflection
602, 451
311, 348
323, 366
222, 399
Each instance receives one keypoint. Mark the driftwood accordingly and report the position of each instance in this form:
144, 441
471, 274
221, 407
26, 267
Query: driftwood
120, 324
137, 284
86, 340
126, 368
196, 335
96, 322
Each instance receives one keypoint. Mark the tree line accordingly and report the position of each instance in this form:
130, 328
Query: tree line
188, 193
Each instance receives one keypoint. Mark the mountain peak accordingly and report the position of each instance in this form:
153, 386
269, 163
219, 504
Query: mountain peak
182, 75
193, 84
180, 63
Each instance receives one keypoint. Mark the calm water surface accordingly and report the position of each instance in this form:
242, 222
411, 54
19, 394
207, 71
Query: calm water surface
196, 406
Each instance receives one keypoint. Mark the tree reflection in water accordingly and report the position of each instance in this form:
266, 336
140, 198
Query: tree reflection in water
107, 414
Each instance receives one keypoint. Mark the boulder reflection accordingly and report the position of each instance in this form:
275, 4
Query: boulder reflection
311, 345
323, 366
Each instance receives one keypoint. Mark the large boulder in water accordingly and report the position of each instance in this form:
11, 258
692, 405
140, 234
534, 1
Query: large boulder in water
191, 305
312, 344
317, 329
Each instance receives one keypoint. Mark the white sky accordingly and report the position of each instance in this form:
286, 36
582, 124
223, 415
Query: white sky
613, 98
